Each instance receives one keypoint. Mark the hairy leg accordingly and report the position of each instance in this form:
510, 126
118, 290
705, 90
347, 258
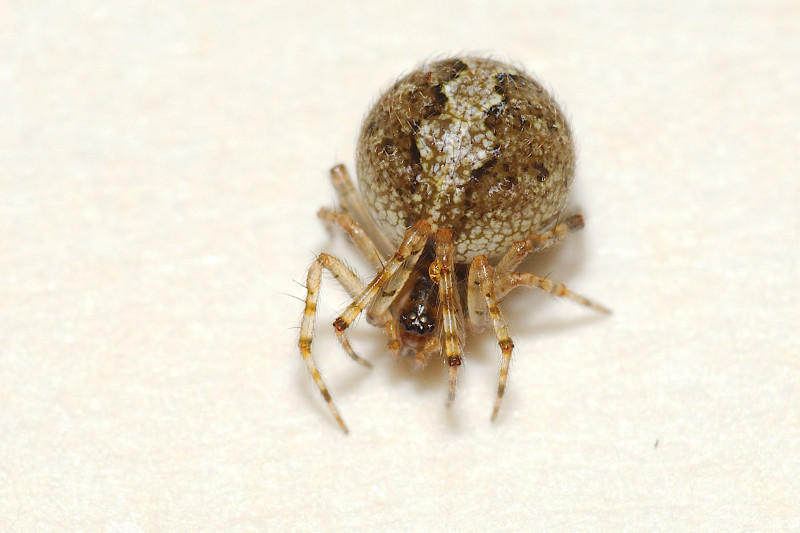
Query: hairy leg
484, 276
451, 320
353, 204
535, 242
357, 234
525, 279
413, 242
353, 286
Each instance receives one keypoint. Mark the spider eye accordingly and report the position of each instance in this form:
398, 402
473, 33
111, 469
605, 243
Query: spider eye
417, 321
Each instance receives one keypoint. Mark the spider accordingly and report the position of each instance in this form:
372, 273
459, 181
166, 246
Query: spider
464, 168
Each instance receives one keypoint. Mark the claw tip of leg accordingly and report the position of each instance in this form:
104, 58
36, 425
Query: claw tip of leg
342, 425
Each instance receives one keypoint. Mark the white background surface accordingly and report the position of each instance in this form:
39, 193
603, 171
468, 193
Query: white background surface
160, 170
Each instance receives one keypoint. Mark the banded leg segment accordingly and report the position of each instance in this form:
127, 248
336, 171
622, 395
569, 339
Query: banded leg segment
368, 250
451, 316
391, 289
353, 286
424, 354
535, 242
357, 234
355, 206
477, 312
484, 275
414, 241
525, 279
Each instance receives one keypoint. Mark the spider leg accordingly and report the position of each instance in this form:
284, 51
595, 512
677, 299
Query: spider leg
378, 312
390, 290
526, 279
508, 280
353, 204
353, 286
422, 356
482, 275
357, 234
367, 248
476, 305
535, 242
413, 243
451, 316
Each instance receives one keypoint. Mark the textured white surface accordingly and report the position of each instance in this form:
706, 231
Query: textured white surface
160, 170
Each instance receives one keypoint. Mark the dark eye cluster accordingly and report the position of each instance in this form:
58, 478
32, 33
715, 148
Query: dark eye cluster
417, 320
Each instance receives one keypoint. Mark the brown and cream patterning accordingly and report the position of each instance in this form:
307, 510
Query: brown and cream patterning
464, 167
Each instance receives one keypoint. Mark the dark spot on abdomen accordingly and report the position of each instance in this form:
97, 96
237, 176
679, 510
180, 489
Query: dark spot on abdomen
504, 80
494, 115
451, 69
479, 172
509, 182
414, 151
541, 171
437, 103
496, 109
387, 147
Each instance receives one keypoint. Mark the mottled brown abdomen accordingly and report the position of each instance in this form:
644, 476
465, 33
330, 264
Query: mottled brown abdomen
470, 144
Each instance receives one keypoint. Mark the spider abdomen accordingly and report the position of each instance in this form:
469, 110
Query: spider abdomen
471, 144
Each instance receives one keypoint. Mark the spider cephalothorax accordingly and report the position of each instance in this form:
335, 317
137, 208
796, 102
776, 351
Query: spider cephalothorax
461, 162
